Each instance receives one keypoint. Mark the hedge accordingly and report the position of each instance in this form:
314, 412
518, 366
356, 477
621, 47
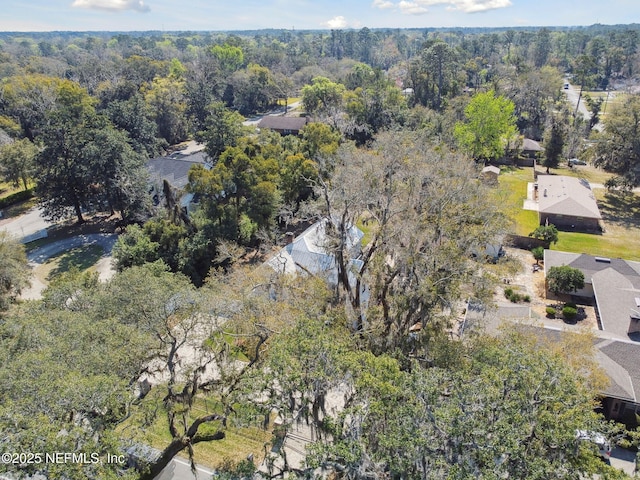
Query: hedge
17, 197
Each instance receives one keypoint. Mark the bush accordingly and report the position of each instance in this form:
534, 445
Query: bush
526, 298
551, 312
508, 292
569, 312
16, 198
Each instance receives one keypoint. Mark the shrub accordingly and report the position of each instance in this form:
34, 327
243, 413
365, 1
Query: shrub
526, 298
569, 312
551, 312
508, 292
16, 198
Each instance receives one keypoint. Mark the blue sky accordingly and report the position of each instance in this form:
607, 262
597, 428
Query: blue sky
172, 15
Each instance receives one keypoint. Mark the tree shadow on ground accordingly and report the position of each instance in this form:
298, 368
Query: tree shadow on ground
621, 208
80, 258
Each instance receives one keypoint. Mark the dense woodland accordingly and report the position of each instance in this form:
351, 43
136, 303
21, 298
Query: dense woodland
401, 121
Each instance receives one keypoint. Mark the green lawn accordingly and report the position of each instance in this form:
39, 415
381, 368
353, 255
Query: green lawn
620, 212
82, 258
511, 193
238, 444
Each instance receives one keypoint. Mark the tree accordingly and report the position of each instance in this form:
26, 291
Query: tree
564, 279
323, 97
134, 248
506, 407
538, 254
14, 273
166, 98
223, 129
489, 125
618, 151
547, 233
17, 161
422, 229
553, 144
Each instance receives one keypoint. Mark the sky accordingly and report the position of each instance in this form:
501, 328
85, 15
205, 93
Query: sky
224, 15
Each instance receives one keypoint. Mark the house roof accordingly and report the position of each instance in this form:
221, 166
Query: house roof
310, 252
531, 145
491, 169
615, 282
562, 195
620, 361
277, 122
175, 167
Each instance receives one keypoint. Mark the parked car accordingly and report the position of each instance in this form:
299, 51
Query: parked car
576, 161
599, 440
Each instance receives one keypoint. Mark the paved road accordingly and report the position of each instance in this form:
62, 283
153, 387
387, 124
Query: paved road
179, 469
40, 255
26, 224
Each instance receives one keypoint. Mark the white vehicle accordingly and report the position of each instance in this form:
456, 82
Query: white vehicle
599, 440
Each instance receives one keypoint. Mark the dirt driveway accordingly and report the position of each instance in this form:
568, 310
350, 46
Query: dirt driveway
528, 282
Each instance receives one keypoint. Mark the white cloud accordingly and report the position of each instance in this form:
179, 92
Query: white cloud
382, 4
336, 22
412, 8
112, 5
418, 7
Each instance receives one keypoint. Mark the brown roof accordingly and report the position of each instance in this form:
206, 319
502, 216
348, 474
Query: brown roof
283, 123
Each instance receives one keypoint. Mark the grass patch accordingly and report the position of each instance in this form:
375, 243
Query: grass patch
621, 216
83, 258
620, 212
238, 444
511, 193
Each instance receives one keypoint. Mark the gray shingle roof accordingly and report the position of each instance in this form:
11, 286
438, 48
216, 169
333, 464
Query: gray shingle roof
616, 285
621, 361
561, 195
175, 168
283, 123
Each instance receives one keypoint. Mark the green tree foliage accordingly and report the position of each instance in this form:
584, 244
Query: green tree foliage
322, 97
86, 164
223, 129
538, 253
564, 279
422, 231
17, 161
166, 97
134, 248
618, 151
14, 274
505, 406
548, 233
553, 144
489, 125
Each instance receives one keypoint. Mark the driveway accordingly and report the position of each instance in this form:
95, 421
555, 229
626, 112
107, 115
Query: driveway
40, 255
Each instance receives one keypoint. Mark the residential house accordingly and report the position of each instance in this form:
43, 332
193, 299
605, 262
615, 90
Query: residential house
310, 253
531, 148
174, 169
612, 283
283, 125
620, 362
567, 202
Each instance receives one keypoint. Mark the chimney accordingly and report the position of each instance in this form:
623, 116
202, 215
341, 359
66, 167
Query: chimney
288, 238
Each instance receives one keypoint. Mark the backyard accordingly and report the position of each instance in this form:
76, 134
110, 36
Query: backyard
620, 212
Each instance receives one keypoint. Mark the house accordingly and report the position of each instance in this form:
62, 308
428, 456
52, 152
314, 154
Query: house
620, 362
567, 202
490, 174
614, 285
175, 170
531, 148
284, 125
310, 253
